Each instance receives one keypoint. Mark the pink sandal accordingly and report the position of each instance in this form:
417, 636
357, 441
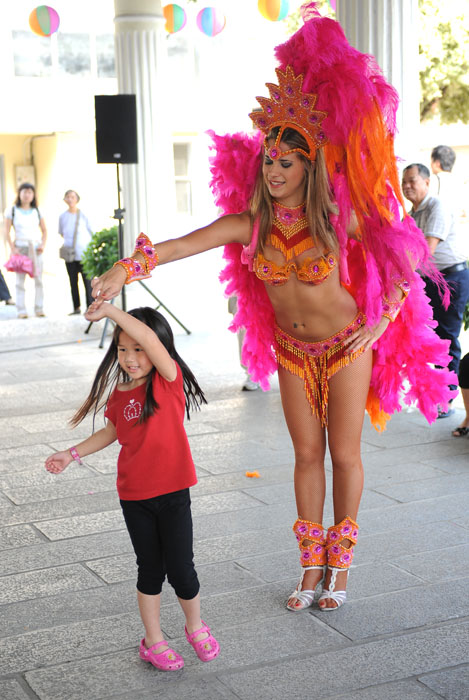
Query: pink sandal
206, 649
167, 660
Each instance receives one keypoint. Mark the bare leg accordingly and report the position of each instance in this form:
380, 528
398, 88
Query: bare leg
348, 391
309, 443
149, 606
191, 609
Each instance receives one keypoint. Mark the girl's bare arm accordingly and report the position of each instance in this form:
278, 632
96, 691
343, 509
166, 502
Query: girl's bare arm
57, 462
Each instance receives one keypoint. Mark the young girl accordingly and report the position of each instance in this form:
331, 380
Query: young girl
151, 387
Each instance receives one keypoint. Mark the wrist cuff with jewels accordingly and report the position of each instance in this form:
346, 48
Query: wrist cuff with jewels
391, 308
134, 270
145, 247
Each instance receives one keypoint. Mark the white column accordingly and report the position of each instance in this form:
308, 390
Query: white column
388, 29
149, 195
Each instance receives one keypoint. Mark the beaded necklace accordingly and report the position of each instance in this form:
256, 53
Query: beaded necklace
290, 231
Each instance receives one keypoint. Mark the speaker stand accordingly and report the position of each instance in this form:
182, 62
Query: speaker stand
119, 216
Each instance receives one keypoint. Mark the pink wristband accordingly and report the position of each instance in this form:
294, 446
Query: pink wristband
75, 455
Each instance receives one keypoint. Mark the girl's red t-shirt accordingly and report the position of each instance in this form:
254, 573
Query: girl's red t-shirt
155, 457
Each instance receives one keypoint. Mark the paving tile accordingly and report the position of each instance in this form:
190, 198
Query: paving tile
438, 564
399, 473
121, 567
414, 515
36, 584
37, 475
12, 690
69, 607
239, 480
210, 689
278, 493
33, 512
454, 464
222, 503
393, 544
60, 488
63, 552
400, 690
441, 450
372, 663
18, 536
426, 488
79, 525
452, 683
394, 612
244, 520
69, 643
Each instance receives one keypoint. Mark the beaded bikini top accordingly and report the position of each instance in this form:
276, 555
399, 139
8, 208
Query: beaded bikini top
290, 234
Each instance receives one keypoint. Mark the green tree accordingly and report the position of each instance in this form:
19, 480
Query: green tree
444, 60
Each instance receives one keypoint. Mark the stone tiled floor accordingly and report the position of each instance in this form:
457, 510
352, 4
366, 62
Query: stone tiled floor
69, 625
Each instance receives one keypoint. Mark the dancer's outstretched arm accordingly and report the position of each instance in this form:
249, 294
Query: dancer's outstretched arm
233, 228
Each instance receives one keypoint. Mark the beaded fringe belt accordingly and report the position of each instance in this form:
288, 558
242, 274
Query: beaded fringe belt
316, 362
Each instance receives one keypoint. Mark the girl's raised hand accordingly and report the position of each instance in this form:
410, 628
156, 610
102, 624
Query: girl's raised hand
57, 462
97, 310
110, 284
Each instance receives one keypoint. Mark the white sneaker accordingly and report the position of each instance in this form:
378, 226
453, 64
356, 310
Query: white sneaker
249, 385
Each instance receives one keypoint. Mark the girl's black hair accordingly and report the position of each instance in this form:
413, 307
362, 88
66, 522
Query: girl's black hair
110, 373
26, 186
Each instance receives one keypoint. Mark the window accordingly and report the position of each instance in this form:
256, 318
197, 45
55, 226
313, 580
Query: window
74, 54
32, 55
183, 184
105, 56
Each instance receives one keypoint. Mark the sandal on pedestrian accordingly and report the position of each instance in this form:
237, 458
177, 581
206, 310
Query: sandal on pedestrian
312, 556
167, 660
339, 558
460, 431
206, 649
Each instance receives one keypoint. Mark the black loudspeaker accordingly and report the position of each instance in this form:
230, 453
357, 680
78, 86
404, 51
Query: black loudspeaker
116, 128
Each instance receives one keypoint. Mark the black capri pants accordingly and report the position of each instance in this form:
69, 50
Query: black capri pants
161, 532
463, 375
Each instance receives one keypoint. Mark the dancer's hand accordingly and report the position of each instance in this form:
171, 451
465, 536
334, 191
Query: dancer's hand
97, 310
366, 336
57, 462
108, 285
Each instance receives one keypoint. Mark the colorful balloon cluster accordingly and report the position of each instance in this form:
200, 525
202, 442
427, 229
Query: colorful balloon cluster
44, 20
210, 21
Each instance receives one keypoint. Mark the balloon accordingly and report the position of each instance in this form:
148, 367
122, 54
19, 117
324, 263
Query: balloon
275, 10
175, 18
211, 21
44, 20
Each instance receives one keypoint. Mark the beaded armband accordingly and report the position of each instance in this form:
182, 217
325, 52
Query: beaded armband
75, 455
391, 308
133, 269
145, 247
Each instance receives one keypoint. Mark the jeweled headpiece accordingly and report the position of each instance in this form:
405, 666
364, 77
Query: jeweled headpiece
289, 107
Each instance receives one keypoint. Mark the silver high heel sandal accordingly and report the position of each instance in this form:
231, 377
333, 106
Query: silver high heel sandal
313, 556
339, 558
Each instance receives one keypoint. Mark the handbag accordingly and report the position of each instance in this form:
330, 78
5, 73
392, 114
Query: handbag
21, 264
67, 252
